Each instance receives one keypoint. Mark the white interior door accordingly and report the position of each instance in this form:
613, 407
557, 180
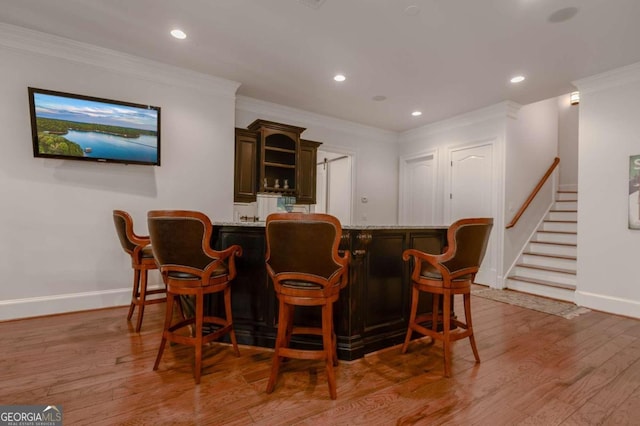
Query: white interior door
334, 183
418, 190
472, 193
471, 182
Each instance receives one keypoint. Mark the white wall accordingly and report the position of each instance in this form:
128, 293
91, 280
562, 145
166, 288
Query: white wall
532, 145
58, 246
374, 152
568, 143
608, 251
486, 124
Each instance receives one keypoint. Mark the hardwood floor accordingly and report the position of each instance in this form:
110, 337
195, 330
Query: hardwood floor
537, 369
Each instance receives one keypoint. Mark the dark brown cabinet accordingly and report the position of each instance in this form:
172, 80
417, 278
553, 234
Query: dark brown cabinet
246, 152
271, 157
307, 172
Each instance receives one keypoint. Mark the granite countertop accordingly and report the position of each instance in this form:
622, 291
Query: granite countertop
357, 227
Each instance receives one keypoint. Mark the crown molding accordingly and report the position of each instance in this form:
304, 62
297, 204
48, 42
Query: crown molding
506, 109
25, 40
294, 116
609, 79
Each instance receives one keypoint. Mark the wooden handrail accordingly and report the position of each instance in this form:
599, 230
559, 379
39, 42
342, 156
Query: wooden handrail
533, 194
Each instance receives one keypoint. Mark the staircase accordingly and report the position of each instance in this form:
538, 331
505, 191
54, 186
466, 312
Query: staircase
547, 267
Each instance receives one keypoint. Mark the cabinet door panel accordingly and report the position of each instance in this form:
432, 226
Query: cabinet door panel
307, 172
245, 180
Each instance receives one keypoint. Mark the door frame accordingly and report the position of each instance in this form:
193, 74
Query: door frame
402, 184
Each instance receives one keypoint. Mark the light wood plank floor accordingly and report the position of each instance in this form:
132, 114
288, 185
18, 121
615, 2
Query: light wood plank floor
537, 369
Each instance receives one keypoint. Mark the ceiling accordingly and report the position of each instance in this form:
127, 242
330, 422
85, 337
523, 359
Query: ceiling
442, 57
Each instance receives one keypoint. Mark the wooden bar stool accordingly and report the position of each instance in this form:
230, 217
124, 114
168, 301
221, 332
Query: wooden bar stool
302, 260
142, 260
444, 276
190, 267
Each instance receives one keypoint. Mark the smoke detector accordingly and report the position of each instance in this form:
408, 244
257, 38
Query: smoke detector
312, 3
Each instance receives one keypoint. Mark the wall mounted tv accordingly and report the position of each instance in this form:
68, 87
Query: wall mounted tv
77, 127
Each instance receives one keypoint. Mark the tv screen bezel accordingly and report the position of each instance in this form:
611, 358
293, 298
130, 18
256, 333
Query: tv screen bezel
34, 128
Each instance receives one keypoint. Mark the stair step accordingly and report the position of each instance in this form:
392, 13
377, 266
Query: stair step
547, 268
556, 237
566, 205
553, 256
550, 260
543, 282
563, 249
567, 195
542, 288
566, 215
560, 225
561, 276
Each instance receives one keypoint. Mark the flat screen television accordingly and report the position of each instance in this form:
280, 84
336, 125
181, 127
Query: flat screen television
77, 127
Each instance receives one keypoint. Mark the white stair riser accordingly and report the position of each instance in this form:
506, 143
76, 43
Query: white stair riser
546, 275
542, 290
556, 238
560, 226
550, 262
565, 205
567, 196
552, 249
558, 215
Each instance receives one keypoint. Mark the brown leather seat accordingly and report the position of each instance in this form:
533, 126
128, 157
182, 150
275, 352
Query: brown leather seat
444, 276
191, 268
302, 260
142, 261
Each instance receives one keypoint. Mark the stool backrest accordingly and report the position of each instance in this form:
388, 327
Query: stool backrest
304, 244
468, 239
179, 238
124, 228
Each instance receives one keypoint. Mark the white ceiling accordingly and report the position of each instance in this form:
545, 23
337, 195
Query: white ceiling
452, 57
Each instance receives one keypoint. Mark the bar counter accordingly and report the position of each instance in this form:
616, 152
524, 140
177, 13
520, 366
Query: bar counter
373, 309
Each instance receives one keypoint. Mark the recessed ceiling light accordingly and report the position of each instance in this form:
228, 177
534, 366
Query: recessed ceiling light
517, 79
416, 113
179, 34
339, 77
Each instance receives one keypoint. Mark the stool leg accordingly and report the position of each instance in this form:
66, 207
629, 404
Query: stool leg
334, 345
198, 337
467, 317
446, 331
289, 322
227, 309
134, 296
327, 342
142, 299
415, 294
435, 308
283, 317
167, 324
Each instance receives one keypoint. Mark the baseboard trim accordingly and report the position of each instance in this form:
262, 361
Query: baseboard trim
64, 303
612, 305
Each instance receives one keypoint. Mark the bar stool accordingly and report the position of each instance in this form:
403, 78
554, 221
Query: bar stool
142, 260
303, 262
444, 276
190, 267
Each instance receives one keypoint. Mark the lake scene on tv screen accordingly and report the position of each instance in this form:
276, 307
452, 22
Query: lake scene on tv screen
101, 130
